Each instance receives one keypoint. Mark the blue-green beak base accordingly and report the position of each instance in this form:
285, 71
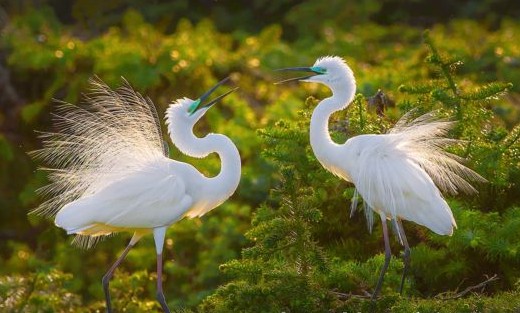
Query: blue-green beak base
194, 106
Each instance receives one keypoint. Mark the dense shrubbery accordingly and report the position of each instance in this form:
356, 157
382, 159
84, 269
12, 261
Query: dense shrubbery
284, 239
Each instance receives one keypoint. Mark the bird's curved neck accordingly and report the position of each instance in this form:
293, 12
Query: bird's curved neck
321, 142
230, 164
226, 182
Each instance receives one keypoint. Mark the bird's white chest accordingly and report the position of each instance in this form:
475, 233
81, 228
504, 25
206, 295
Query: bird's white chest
336, 164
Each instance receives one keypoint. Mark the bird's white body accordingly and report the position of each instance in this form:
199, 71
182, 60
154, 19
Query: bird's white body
399, 187
151, 197
158, 194
113, 174
400, 174
384, 170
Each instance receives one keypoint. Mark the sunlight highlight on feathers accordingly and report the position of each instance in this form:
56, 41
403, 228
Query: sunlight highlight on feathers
424, 140
87, 242
86, 151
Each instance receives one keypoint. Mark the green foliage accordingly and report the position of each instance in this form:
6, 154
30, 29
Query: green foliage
491, 238
503, 302
46, 291
301, 252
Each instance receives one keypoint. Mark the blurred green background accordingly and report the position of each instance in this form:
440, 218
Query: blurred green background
173, 49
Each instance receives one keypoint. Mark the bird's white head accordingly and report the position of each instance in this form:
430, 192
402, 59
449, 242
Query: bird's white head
331, 71
186, 111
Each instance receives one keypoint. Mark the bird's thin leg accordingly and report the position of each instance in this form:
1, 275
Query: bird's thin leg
406, 255
108, 275
388, 255
158, 234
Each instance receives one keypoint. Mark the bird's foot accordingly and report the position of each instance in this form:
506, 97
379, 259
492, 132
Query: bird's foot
162, 302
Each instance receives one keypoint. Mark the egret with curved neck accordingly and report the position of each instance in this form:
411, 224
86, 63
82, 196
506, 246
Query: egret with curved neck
110, 173
399, 174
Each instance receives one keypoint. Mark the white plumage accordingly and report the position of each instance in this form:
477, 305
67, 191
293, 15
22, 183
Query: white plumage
109, 170
399, 175
113, 135
150, 197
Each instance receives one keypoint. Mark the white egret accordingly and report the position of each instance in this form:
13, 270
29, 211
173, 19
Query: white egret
398, 174
111, 173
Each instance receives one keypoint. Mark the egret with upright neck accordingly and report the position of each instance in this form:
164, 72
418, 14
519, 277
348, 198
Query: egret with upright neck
400, 174
110, 172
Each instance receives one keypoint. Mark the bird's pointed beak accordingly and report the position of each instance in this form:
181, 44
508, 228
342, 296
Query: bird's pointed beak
315, 70
199, 103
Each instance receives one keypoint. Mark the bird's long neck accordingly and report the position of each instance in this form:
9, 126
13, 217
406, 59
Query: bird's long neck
225, 183
322, 144
230, 165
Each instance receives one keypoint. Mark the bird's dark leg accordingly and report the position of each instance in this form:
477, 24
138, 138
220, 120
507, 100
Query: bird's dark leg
158, 234
160, 294
388, 255
406, 255
106, 278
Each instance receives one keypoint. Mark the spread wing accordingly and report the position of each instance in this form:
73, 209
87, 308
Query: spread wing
115, 133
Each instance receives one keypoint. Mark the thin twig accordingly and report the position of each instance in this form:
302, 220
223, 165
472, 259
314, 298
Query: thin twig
469, 289
342, 295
